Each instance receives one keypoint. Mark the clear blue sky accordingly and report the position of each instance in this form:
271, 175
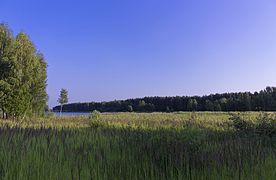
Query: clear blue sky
117, 49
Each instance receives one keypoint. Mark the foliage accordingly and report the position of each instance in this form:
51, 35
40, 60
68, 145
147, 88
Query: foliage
63, 98
265, 124
209, 105
192, 105
95, 115
264, 100
22, 76
240, 124
130, 108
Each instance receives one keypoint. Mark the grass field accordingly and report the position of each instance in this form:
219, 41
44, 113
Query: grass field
140, 146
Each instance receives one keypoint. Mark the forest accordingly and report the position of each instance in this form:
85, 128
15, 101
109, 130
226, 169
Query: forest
265, 100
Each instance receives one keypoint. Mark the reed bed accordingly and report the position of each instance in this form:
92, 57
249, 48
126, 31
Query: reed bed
135, 146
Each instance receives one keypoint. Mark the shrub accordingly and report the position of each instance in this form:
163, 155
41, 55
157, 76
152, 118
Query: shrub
240, 124
266, 125
95, 115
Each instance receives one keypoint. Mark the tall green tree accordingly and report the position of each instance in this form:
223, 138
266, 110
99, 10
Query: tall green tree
217, 106
192, 104
209, 106
7, 70
63, 98
26, 65
129, 108
38, 87
22, 76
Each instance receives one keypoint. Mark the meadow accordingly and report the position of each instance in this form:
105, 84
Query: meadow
181, 145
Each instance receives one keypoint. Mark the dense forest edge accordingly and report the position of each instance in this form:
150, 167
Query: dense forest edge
264, 100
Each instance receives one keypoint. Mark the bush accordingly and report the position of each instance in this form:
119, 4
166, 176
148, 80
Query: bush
95, 115
240, 124
266, 125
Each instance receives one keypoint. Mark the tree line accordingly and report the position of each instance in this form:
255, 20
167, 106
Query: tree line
23, 74
265, 100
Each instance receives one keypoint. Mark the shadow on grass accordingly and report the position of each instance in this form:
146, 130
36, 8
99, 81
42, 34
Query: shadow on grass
126, 151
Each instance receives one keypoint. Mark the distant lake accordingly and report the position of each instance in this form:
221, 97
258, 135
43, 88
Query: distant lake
71, 113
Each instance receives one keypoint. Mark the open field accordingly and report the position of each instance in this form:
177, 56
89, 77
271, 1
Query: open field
140, 146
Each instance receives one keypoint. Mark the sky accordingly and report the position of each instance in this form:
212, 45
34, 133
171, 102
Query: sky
102, 50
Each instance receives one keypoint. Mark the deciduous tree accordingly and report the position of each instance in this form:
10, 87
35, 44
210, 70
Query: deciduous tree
63, 98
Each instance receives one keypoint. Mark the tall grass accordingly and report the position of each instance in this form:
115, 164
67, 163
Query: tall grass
136, 146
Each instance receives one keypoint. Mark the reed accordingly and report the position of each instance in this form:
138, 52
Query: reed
135, 146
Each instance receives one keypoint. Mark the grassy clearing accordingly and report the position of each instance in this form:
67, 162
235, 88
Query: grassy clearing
136, 146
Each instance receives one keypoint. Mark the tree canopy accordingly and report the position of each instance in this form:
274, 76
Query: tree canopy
63, 98
265, 100
23, 76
